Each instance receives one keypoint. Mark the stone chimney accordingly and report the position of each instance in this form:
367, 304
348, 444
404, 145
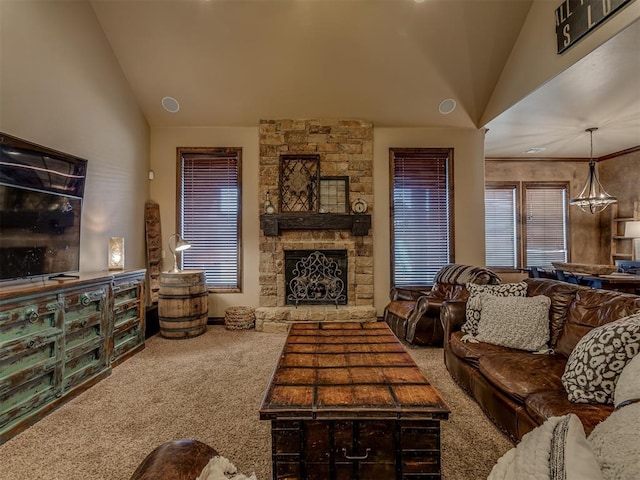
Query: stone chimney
344, 149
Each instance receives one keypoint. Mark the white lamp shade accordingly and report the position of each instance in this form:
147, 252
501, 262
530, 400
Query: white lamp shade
180, 244
116, 253
632, 229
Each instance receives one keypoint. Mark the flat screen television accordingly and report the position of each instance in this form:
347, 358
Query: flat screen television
41, 192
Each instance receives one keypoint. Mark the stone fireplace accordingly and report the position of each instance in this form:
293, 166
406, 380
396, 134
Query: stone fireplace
345, 150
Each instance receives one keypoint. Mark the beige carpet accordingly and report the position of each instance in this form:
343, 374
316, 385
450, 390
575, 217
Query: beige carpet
209, 388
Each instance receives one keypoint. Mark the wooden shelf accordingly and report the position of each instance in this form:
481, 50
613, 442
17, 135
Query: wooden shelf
622, 248
272, 224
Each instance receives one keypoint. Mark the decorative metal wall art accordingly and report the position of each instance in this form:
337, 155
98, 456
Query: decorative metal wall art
299, 183
316, 277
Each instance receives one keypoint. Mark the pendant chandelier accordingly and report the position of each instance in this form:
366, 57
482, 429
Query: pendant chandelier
593, 198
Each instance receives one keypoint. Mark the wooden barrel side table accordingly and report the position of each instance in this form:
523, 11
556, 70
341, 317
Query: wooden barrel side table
183, 304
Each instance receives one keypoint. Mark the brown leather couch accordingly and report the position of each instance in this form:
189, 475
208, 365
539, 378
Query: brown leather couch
519, 390
414, 315
175, 460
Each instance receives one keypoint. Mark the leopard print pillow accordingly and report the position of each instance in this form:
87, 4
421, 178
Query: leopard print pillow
595, 363
474, 304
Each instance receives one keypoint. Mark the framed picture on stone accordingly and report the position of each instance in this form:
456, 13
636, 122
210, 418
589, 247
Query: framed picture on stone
299, 183
334, 195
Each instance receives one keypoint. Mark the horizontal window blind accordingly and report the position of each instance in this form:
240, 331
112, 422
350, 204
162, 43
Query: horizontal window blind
501, 227
210, 217
545, 225
421, 235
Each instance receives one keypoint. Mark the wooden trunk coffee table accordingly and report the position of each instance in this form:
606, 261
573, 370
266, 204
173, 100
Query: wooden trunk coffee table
347, 402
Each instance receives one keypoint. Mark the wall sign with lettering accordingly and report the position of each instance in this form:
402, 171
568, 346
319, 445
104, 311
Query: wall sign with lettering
576, 18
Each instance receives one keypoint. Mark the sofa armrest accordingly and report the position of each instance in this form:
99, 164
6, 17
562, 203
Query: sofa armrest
422, 304
452, 316
425, 306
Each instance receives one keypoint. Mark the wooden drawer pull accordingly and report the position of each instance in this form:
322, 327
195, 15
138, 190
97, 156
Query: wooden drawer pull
356, 457
32, 316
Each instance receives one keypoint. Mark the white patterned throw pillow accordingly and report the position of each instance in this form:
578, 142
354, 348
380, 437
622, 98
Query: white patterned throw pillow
595, 363
628, 385
556, 450
515, 322
474, 304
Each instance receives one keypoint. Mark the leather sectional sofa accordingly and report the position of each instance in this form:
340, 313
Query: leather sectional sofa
519, 390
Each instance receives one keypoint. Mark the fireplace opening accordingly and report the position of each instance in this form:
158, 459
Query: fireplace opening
316, 277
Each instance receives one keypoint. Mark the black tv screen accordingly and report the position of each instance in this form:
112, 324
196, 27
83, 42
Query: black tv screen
41, 193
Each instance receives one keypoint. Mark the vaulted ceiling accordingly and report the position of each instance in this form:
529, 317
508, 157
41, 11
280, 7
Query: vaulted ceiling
234, 62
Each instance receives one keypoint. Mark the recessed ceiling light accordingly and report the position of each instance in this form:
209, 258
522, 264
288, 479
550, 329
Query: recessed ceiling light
447, 106
170, 104
535, 150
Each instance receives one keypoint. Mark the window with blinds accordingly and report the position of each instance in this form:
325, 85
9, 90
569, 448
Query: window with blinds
209, 214
501, 225
422, 214
545, 224
542, 208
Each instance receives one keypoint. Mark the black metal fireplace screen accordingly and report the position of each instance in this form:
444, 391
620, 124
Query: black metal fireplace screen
315, 277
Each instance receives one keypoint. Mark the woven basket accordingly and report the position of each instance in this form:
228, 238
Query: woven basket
239, 318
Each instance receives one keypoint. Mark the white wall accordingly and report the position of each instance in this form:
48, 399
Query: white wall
164, 142
534, 59
468, 184
61, 86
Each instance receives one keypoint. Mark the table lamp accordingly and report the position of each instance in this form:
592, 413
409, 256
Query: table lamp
632, 230
180, 244
116, 253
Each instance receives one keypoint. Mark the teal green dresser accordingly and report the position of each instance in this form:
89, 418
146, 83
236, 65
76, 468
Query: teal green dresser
58, 338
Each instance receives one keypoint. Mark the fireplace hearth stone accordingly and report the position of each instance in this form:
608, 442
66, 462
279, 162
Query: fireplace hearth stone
278, 319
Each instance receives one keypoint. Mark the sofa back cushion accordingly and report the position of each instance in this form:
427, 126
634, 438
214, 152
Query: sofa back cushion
561, 295
449, 291
591, 308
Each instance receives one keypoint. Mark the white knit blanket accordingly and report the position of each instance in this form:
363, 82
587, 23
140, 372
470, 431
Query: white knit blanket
530, 459
556, 450
220, 468
616, 444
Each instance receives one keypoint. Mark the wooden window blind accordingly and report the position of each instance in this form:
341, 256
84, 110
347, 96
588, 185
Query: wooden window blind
545, 224
501, 225
422, 215
209, 214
